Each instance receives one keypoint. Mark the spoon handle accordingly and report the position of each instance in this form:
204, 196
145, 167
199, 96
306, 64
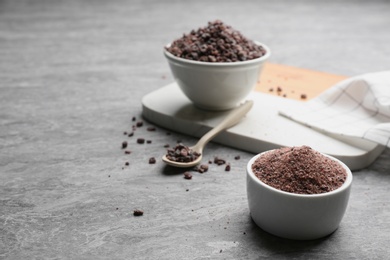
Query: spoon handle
233, 118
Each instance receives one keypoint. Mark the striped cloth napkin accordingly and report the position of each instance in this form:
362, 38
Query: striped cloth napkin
356, 107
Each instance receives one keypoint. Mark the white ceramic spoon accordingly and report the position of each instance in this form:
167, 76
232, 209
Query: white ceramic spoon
233, 118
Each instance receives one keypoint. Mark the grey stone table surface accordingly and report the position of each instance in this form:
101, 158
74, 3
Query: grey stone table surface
72, 76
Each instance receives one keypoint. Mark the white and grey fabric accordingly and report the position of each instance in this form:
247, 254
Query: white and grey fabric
356, 107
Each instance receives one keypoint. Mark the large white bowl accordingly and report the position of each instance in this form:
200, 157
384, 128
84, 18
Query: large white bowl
296, 216
216, 85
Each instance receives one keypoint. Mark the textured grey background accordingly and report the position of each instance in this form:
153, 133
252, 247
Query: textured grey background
72, 75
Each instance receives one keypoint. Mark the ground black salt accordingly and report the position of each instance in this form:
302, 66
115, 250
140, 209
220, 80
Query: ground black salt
300, 170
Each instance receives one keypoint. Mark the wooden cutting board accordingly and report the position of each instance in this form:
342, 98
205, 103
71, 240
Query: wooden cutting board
295, 83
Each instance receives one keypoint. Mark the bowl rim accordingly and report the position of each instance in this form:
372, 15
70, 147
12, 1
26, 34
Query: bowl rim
340, 189
220, 64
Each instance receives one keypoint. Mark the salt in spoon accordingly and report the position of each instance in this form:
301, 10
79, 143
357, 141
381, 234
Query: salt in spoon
233, 118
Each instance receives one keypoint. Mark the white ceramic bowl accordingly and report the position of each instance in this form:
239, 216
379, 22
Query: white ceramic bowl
296, 216
216, 85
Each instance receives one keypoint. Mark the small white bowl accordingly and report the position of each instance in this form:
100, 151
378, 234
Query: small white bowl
296, 216
216, 85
